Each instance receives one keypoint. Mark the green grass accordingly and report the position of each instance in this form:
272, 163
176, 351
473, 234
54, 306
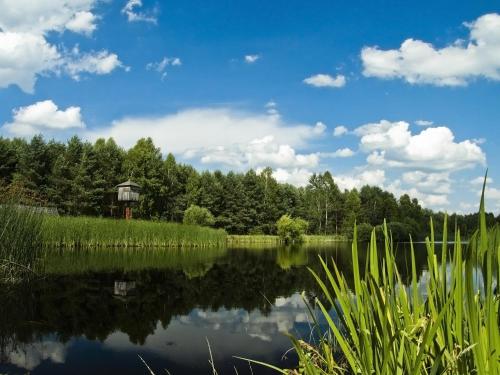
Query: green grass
86, 232
382, 326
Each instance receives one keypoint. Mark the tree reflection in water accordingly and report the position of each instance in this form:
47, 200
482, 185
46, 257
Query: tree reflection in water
161, 304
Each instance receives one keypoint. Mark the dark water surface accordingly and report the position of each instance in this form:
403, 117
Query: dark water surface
96, 312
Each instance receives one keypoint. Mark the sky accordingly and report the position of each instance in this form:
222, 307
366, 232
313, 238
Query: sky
402, 95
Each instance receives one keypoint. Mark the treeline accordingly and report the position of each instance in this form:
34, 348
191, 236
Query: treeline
79, 178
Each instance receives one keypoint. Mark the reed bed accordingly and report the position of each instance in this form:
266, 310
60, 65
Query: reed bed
87, 233
447, 325
20, 240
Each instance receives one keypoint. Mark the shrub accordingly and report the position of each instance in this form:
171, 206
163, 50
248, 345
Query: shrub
364, 232
196, 215
290, 230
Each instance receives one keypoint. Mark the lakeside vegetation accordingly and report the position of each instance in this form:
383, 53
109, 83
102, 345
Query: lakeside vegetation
78, 178
87, 232
386, 326
20, 241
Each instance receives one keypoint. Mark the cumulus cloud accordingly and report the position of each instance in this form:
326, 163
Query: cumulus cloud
430, 183
433, 149
25, 53
206, 128
375, 177
250, 59
345, 152
42, 16
257, 153
339, 131
131, 10
294, 176
419, 62
161, 66
23, 57
44, 115
319, 128
82, 22
326, 80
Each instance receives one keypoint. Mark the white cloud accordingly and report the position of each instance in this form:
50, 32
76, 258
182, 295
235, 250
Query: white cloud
257, 153
433, 149
319, 128
339, 131
162, 65
424, 123
418, 62
345, 152
44, 115
250, 59
23, 57
434, 199
101, 62
25, 53
294, 176
82, 22
374, 177
326, 80
205, 128
438, 183
42, 16
133, 15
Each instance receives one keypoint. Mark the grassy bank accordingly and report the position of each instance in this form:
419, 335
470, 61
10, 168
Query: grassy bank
86, 232
258, 239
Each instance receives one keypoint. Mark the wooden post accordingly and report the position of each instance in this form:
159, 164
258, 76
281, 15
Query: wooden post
128, 213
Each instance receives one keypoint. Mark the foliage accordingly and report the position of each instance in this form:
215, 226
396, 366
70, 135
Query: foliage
383, 327
88, 232
291, 230
364, 232
79, 178
196, 215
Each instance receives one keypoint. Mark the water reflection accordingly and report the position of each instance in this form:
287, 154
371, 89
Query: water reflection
95, 311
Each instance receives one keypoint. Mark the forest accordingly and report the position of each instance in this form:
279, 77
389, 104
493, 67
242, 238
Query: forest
79, 178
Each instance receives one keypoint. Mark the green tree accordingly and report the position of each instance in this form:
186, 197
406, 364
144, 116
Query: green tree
291, 230
196, 215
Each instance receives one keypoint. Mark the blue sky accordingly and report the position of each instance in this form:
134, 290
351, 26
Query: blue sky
411, 88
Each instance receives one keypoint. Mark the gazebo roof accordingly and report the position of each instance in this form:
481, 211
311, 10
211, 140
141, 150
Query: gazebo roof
127, 184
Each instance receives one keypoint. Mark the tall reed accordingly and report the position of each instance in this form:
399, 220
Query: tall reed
86, 232
20, 240
450, 325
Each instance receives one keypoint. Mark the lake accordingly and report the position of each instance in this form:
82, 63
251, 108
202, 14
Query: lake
97, 311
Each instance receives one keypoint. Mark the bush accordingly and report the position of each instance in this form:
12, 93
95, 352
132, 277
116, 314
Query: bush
196, 215
290, 230
364, 232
